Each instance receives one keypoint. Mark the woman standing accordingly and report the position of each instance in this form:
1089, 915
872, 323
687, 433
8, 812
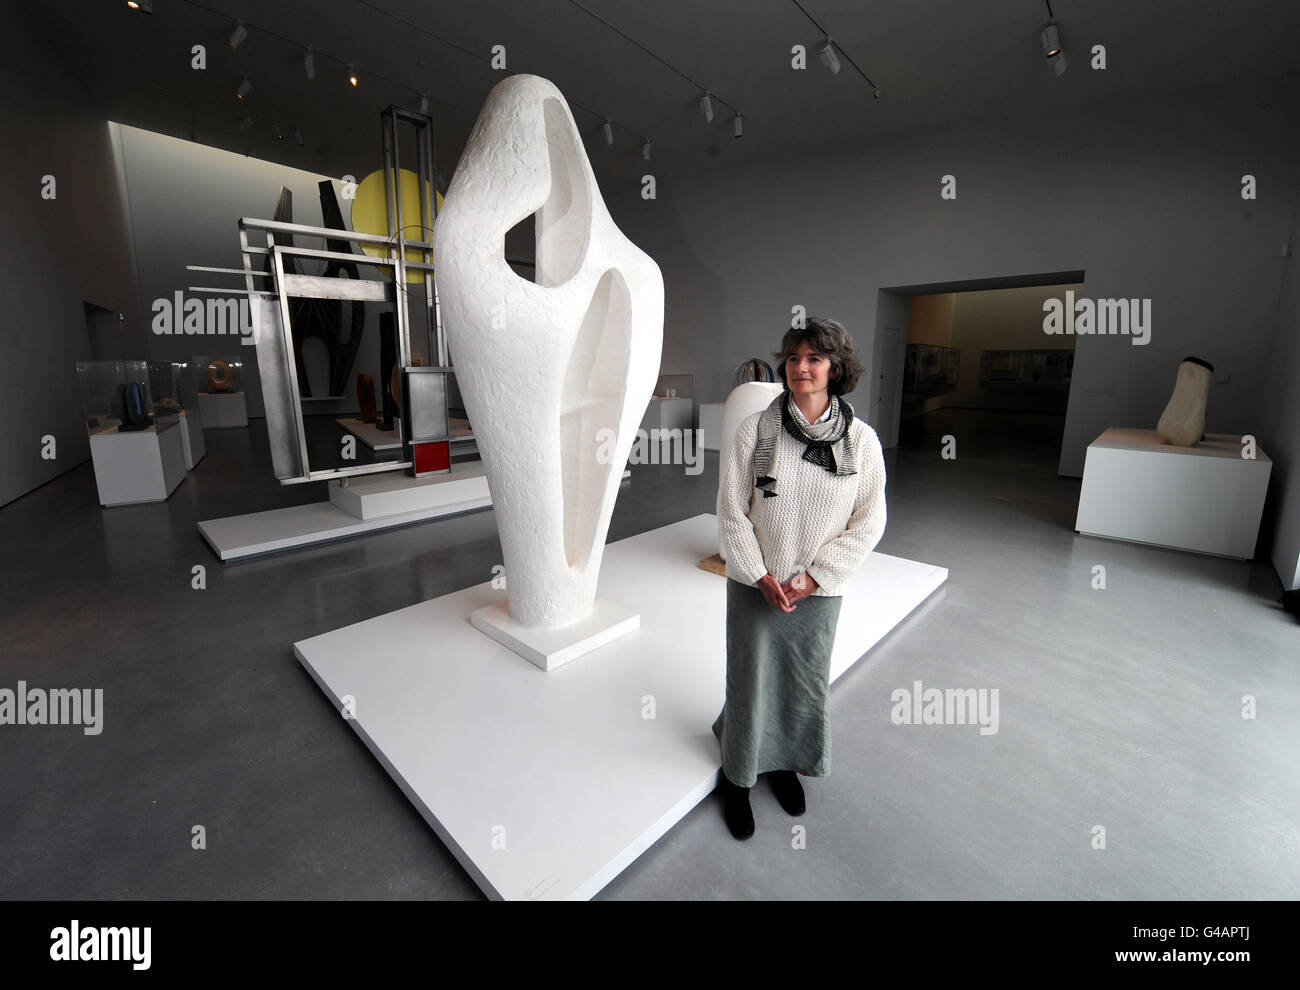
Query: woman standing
803, 504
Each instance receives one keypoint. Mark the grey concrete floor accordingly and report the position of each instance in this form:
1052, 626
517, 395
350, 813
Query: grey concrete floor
1120, 709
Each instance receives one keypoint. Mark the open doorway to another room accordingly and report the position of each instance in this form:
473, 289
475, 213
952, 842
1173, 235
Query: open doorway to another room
976, 364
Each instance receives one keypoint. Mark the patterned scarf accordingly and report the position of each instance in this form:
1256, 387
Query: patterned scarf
828, 444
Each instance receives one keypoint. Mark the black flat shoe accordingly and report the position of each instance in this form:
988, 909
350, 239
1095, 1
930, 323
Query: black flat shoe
736, 809
789, 792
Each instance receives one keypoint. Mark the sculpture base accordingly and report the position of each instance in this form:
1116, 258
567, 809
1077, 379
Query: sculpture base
551, 648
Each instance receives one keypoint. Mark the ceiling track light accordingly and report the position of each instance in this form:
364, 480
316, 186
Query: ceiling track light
352, 75
297, 137
1058, 63
246, 123
424, 103
829, 59
309, 63
245, 87
144, 6
608, 130
738, 125
275, 129
238, 35
706, 108
645, 150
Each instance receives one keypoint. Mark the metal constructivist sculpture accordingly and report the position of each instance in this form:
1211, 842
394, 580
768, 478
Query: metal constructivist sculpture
555, 374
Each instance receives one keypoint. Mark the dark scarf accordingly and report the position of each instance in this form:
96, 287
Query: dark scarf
828, 444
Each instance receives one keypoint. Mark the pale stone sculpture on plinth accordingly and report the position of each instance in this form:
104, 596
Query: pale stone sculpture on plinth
555, 374
1183, 421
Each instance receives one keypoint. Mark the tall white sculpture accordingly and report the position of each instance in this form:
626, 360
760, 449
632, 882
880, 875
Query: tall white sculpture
745, 400
556, 374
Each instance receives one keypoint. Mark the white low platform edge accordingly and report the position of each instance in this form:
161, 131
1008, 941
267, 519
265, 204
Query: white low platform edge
547, 784
256, 533
192, 435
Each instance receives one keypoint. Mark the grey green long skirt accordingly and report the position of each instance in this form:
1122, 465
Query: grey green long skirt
778, 681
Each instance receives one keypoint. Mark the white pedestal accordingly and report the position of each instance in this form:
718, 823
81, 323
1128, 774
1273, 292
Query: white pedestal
711, 424
223, 409
667, 414
546, 785
1205, 498
378, 495
551, 648
143, 466
192, 436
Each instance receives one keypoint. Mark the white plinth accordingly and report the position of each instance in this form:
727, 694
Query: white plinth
667, 414
223, 409
370, 434
192, 437
1206, 498
711, 424
142, 466
546, 785
551, 648
378, 495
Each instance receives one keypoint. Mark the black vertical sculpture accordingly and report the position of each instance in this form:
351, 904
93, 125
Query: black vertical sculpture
387, 358
323, 318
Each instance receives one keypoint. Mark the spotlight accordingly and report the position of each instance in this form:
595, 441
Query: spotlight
829, 58
608, 131
706, 108
424, 103
275, 129
1058, 63
245, 87
738, 125
145, 6
352, 75
246, 123
876, 95
297, 136
645, 150
1051, 41
238, 35
309, 63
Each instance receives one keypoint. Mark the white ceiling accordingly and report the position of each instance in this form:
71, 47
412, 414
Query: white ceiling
939, 63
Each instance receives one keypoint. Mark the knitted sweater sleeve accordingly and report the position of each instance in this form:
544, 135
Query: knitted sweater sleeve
740, 542
840, 557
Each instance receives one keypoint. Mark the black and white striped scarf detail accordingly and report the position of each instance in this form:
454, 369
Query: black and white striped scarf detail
828, 444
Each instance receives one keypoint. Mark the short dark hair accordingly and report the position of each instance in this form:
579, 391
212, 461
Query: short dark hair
826, 337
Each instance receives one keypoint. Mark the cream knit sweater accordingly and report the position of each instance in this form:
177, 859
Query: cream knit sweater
822, 523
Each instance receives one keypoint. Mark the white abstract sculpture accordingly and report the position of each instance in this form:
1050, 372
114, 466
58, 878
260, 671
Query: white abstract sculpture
744, 400
1183, 421
555, 374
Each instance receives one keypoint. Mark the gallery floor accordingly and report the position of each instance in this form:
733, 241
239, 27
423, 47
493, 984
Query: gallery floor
1119, 708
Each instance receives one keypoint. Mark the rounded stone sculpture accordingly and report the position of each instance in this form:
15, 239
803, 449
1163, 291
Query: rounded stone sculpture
366, 398
1183, 421
555, 374
395, 380
220, 377
744, 400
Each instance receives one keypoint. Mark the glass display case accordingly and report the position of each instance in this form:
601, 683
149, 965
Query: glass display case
132, 410
929, 370
116, 396
218, 381
218, 374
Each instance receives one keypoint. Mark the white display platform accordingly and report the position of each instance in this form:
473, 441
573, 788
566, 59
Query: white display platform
370, 434
711, 424
377, 495
256, 533
546, 785
667, 414
551, 648
143, 466
1206, 498
223, 409
192, 437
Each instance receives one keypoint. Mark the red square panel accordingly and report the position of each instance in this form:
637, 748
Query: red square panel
434, 456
